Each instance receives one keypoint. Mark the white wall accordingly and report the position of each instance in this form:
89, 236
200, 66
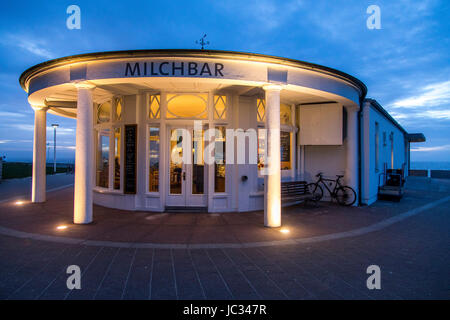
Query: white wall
371, 116
326, 153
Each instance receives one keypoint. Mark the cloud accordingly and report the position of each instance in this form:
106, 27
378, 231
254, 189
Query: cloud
34, 46
264, 14
10, 114
428, 149
14, 141
432, 95
30, 127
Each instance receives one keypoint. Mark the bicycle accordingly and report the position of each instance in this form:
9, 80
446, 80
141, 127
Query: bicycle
344, 195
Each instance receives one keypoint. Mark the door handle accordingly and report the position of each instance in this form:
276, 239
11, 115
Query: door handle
184, 175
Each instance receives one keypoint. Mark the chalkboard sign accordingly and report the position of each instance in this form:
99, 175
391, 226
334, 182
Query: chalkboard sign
285, 146
130, 159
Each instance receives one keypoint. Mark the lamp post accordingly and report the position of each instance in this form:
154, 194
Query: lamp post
54, 125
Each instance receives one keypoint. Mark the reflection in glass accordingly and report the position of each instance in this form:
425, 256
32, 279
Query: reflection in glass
176, 163
198, 167
219, 164
103, 159
117, 139
153, 184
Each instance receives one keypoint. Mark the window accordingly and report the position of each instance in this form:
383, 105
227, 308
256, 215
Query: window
285, 114
187, 106
176, 161
153, 163
198, 167
117, 141
154, 106
384, 139
285, 150
220, 107
104, 112
260, 110
103, 159
219, 164
261, 147
377, 146
391, 139
118, 110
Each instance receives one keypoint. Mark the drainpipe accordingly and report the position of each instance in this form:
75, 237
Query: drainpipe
360, 147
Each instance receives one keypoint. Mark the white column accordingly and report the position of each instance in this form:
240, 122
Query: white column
84, 150
272, 180
38, 187
351, 147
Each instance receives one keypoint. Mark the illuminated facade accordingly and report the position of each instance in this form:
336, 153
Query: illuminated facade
133, 109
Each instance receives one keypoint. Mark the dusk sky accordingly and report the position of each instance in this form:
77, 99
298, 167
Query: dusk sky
405, 64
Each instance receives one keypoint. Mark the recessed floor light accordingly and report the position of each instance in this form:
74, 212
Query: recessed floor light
19, 203
61, 227
284, 231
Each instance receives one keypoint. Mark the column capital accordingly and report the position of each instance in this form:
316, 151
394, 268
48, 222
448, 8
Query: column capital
272, 87
39, 108
84, 85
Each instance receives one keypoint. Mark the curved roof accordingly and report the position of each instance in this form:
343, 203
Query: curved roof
29, 73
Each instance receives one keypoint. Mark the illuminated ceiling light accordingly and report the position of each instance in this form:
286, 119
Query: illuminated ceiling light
284, 230
61, 227
19, 203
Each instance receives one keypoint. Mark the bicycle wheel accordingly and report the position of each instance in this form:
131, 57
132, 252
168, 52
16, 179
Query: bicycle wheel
315, 190
345, 196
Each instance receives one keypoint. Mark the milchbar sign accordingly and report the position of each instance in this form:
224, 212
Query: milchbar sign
167, 68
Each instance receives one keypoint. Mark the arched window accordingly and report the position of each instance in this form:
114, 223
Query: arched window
187, 106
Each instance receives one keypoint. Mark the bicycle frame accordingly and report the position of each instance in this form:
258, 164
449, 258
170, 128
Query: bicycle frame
337, 184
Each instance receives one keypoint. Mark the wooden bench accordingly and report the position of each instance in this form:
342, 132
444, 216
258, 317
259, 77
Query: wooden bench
295, 191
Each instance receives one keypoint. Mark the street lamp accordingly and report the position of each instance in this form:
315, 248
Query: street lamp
54, 125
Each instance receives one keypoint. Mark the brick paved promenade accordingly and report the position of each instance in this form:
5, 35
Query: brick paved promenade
411, 248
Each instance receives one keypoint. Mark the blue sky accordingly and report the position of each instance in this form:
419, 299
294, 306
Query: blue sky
405, 64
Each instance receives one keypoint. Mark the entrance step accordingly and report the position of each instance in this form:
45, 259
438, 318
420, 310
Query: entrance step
177, 209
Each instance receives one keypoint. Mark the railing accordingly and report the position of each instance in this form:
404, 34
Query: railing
437, 174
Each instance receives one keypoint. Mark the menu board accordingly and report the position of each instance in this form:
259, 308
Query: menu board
285, 146
130, 158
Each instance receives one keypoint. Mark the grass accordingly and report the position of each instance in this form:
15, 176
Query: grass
13, 170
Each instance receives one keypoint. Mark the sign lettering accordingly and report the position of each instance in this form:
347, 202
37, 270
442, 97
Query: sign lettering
166, 68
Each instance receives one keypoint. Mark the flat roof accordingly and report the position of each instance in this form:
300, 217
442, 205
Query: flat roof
30, 72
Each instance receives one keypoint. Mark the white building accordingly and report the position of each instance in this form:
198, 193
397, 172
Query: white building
133, 106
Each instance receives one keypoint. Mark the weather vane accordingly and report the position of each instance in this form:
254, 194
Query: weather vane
202, 42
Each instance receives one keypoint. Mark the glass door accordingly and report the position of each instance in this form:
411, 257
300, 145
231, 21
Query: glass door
187, 170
